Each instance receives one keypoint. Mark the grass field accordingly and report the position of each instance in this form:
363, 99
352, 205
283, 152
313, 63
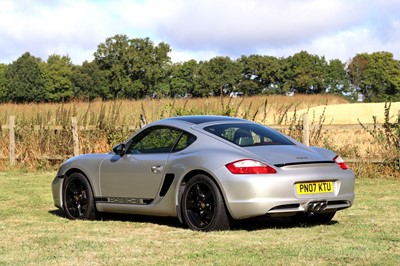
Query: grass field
33, 232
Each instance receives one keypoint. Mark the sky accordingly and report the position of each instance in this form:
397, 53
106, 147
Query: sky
201, 29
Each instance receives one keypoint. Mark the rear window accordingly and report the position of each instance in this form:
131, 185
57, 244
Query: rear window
246, 135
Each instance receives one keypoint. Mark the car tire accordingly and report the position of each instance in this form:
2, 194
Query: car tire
78, 198
203, 207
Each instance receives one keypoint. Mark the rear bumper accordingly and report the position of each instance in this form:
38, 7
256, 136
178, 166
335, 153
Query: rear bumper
275, 194
241, 210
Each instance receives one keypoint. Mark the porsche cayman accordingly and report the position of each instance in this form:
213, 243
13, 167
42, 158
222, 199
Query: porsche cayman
207, 171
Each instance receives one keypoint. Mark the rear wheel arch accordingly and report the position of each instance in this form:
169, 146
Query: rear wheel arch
189, 176
223, 219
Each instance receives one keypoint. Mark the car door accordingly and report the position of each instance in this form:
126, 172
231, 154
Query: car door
137, 175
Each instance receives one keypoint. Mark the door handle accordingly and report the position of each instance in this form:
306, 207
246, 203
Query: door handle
157, 168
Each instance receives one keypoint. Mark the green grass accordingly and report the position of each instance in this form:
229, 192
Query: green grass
33, 232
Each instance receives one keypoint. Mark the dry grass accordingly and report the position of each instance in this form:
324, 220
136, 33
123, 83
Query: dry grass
115, 121
267, 108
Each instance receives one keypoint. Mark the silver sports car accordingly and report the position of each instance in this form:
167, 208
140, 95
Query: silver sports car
207, 171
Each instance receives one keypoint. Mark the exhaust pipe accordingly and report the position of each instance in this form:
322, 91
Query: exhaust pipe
317, 206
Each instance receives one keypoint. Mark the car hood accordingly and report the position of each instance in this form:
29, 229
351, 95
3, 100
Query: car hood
287, 154
83, 162
89, 157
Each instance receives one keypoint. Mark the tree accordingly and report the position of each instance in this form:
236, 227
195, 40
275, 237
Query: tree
3, 92
305, 73
25, 80
89, 82
337, 81
59, 73
156, 65
136, 67
376, 76
182, 78
262, 74
112, 56
218, 76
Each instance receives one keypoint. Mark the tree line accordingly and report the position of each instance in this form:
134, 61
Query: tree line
137, 68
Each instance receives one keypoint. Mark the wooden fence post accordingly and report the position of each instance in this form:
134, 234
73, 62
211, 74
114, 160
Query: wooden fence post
75, 136
12, 140
306, 130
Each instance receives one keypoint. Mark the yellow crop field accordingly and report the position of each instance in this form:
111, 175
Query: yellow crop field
271, 110
352, 113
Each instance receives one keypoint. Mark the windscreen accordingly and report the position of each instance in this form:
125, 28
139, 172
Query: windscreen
246, 135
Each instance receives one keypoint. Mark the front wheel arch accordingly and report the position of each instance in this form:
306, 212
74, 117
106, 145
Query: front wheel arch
77, 197
73, 171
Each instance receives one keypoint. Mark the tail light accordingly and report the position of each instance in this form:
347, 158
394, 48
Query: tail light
339, 161
249, 166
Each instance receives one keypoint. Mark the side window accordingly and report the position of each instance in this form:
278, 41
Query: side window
154, 140
184, 142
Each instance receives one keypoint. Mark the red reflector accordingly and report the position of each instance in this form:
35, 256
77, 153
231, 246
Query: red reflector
339, 161
248, 166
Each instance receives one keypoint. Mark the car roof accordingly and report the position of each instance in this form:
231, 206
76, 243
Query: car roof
200, 119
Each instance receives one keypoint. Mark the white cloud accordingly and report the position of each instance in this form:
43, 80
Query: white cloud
201, 29
282, 28
62, 27
182, 56
234, 24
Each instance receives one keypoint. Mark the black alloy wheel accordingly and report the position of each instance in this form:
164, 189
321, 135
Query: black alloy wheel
203, 205
78, 198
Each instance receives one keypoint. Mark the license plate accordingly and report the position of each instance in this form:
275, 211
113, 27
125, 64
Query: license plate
314, 187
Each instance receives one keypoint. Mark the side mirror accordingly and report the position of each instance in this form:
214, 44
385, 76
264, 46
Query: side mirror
120, 149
